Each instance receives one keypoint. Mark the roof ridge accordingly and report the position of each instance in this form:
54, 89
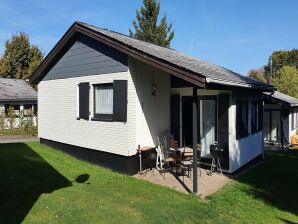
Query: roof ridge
116, 32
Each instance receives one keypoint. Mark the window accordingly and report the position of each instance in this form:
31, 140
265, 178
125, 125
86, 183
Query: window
16, 109
103, 101
242, 119
110, 101
27, 109
292, 121
255, 117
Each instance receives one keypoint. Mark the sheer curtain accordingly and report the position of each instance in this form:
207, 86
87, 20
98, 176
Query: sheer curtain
208, 125
104, 99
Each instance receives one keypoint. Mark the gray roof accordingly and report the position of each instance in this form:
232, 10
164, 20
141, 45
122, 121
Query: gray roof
291, 101
16, 90
210, 71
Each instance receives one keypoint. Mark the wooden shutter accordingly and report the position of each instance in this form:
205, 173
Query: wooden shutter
238, 117
261, 115
223, 127
120, 100
84, 100
175, 117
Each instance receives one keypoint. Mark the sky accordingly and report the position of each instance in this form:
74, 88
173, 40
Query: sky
238, 35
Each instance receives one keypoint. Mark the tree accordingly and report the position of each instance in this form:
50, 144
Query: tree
146, 27
280, 59
257, 74
20, 59
286, 80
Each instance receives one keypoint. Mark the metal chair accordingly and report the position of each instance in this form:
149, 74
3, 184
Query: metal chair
164, 156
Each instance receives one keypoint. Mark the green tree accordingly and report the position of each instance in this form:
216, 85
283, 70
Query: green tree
257, 74
20, 58
146, 27
286, 80
279, 59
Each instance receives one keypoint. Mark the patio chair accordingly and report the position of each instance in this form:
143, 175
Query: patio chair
164, 157
169, 142
187, 159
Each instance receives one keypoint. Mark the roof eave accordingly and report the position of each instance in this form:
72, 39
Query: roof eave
264, 88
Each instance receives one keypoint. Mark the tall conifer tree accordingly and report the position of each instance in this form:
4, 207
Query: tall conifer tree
147, 28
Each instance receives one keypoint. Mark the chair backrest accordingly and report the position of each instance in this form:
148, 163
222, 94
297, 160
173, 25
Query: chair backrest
166, 140
174, 144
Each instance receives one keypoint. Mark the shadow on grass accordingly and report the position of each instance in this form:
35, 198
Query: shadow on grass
24, 176
275, 181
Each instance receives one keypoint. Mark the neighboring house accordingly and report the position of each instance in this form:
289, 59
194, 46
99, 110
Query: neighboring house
280, 117
101, 94
17, 93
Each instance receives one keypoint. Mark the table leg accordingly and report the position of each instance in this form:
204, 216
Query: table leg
140, 156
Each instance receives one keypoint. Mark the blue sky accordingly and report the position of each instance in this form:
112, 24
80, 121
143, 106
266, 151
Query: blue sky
238, 35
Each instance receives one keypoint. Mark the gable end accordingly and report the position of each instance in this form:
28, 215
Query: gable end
87, 57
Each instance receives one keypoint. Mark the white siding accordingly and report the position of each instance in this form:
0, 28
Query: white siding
245, 149
152, 112
58, 103
293, 131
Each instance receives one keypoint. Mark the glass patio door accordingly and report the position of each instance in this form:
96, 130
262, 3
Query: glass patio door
275, 132
272, 129
208, 124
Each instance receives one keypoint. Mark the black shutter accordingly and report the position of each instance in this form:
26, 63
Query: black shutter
120, 100
238, 117
84, 100
223, 128
175, 117
261, 114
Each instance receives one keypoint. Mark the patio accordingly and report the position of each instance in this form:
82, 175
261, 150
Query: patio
207, 185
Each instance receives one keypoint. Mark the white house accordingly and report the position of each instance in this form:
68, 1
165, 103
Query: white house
19, 95
101, 94
280, 118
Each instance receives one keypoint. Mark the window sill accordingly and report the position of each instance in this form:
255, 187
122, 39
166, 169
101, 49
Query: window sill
102, 119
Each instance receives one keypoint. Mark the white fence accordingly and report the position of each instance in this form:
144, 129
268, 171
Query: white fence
17, 122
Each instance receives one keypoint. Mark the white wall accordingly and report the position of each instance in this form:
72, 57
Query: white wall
292, 131
152, 112
58, 110
147, 116
245, 149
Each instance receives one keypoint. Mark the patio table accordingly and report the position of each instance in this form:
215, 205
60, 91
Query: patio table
188, 152
143, 149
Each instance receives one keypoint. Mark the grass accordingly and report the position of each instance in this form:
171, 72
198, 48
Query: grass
294, 147
19, 132
41, 185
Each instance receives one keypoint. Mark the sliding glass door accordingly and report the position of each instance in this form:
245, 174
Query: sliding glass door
272, 126
208, 124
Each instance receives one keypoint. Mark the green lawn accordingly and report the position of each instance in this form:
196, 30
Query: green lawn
41, 185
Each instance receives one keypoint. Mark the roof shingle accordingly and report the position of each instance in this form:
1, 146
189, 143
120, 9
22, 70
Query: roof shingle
291, 101
175, 57
16, 90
